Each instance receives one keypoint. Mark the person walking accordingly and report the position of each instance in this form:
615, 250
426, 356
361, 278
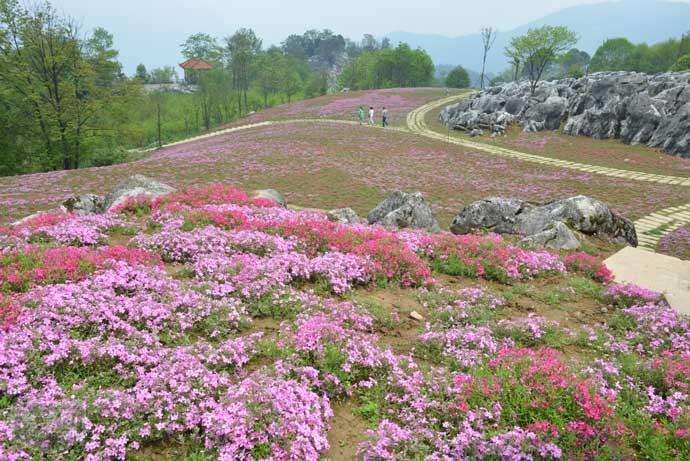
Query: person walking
360, 115
371, 116
384, 117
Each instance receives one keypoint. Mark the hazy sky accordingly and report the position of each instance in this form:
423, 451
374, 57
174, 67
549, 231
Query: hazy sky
149, 30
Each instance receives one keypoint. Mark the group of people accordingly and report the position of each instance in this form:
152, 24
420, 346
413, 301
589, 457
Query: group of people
361, 115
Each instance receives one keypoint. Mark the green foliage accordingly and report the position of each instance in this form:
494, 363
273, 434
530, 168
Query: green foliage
389, 68
458, 78
203, 46
538, 48
683, 63
621, 54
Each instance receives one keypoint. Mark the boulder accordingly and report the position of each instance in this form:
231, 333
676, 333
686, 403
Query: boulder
270, 194
546, 224
635, 107
496, 214
85, 204
402, 210
134, 186
557, 236
345, 216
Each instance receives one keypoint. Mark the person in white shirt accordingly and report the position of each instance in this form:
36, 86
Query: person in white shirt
371, 115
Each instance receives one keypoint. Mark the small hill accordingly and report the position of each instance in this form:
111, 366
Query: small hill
638, 20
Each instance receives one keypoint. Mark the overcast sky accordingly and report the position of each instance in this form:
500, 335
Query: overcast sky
148, 30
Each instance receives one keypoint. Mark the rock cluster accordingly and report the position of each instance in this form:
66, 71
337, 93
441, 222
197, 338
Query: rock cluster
133, 186
635, 107
554, 224
401, 210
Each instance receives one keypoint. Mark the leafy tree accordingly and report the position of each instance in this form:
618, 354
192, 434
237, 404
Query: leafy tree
540, 47
574, 63
57, 81
613, 54
202, 46
99, 50
683, 63
388, 68
269, 68
142, 74
488, 38
242, 48
165, 74
458, 78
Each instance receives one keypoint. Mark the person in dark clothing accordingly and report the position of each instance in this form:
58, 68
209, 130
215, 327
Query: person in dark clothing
384, 117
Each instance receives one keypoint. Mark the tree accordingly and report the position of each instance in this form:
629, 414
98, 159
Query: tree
488, 38
55, 79
574, 63
269, 68
458, 78
141, 74
202, 46
682, 64
242, 48
514, 58
165, 74
540, 47
613, 54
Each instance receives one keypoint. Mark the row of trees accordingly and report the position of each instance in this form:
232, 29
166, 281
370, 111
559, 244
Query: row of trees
58, 89
547, 52
621, 54
381, 66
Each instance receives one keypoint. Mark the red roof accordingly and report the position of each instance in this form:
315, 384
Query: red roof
196, 64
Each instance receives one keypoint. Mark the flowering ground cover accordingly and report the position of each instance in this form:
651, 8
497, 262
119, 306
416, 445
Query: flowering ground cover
230, 328
327, 165
603, 152
343, 106
676, 243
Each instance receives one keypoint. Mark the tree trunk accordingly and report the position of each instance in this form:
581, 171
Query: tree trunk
158, 113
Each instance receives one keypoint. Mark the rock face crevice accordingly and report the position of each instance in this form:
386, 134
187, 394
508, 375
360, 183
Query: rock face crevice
554, 224
637, 108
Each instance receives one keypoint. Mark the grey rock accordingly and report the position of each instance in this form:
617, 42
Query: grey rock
497, 214
637, 108
85, 204
270, 194
345, 216
134, 186
402, 210
476, 132
556, 235
543, 224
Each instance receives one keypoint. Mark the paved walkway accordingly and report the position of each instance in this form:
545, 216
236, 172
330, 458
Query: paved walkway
417, 124
650, 228
654, 271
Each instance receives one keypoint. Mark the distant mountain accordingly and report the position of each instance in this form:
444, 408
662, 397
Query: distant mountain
648, 21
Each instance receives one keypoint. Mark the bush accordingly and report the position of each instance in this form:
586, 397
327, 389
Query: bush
683, 63
458, 78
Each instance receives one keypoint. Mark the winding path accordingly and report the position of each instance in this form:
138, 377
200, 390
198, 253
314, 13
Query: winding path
650, 228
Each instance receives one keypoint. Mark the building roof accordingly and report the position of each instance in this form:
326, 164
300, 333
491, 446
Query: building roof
196, 64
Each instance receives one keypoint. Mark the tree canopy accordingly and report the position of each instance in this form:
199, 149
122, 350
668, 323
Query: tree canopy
538, 48
458, 78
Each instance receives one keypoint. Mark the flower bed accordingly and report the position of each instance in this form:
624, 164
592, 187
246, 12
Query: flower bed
107, 350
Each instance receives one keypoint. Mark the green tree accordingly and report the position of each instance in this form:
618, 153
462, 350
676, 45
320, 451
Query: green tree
165, 74
539, 47
202, 46
60, 82
488, 35
269, 69
458, 78
613, 54
142, 74
573, 63
682, 64
242, 48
